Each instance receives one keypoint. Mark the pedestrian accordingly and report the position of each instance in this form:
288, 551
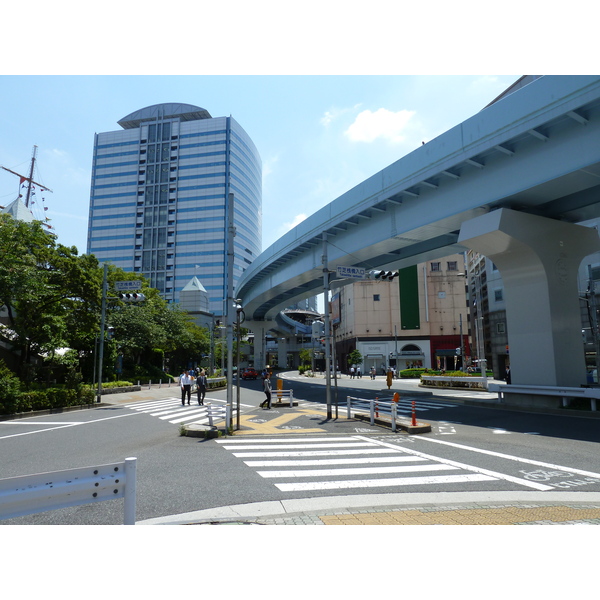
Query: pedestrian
373, 372
351, 372
507, 377
201, 384
185, 382
358, 373
266, 390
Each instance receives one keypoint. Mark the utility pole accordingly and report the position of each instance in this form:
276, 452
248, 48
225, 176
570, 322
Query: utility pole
327, 327
102, 324
229, 312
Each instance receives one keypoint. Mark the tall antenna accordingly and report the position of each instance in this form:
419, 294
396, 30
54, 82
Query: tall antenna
29, 179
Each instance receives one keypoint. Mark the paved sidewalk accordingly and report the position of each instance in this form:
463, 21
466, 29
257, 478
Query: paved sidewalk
449, 508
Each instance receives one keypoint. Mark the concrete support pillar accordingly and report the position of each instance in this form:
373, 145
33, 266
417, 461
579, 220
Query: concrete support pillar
259, 329
282, 350
538, 259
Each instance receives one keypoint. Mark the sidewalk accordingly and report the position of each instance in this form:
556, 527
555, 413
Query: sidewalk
445, 508
441, 508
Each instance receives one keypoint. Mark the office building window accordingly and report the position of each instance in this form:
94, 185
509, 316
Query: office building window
435, 266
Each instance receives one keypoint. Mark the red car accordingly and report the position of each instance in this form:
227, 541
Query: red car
249, 373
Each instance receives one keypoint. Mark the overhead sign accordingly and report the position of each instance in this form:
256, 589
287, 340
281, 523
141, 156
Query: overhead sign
126, 286
351, 272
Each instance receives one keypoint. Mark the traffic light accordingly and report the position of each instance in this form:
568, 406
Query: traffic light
132, 297
318, 329
383, 275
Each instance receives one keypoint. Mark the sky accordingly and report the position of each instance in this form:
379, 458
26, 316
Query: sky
330, 96
318, 136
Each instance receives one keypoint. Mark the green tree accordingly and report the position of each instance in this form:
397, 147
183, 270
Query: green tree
354, 358
49, 292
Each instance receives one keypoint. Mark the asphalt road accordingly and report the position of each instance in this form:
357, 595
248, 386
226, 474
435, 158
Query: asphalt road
469, 448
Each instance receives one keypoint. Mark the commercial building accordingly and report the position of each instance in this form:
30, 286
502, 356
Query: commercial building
161, 193
419, 319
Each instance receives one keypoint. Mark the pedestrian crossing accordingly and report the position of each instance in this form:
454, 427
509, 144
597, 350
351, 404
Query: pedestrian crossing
338, 463
171, 410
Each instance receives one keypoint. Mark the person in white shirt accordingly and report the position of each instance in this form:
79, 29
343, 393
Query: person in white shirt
185, 381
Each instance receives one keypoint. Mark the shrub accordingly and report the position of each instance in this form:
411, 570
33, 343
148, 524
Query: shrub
10, 388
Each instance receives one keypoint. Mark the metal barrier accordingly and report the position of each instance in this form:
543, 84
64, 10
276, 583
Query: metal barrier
220, 411
30, 494
285, 394
373, 408
565, 393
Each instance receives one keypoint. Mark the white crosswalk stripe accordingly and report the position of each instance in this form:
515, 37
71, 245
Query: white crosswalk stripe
351, 462
171, 410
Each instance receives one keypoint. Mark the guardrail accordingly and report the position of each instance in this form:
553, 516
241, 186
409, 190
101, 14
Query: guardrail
30, 494
281, 394
566, 393
373, 408
220, 411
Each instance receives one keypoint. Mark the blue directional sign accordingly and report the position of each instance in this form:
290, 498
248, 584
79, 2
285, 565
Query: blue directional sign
351, 272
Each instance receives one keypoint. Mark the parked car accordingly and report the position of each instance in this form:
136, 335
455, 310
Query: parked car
249, 373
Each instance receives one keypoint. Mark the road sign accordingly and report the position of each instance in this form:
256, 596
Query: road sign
351, 272
126, 286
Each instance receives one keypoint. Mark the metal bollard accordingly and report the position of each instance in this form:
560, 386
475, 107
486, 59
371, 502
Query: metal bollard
372, 411
349, 406
149, 384
394, 411
291, 398
414, 414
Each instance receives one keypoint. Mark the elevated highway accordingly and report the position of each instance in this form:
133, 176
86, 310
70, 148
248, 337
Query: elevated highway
535, 151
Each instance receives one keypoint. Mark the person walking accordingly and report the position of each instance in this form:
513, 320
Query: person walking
373, 372
358, 373
201, 385
185, 382
266, 390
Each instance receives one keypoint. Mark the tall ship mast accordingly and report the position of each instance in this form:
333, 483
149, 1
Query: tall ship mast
29, 187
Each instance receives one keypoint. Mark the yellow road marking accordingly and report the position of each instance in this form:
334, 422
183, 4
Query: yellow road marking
273, 425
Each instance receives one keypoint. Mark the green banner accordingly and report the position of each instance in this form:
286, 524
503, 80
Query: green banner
408, 281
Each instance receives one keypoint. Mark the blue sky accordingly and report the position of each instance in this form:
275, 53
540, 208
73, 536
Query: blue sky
318, 136
330, 95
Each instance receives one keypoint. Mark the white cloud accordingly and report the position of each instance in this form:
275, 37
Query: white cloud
285, 227
383, 123
335, 113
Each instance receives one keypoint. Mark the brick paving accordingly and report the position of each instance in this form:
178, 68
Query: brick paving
517, 514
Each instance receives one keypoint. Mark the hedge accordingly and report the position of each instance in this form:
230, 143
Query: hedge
48, 399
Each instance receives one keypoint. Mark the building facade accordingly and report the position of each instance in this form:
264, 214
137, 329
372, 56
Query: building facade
161, 193
416, 320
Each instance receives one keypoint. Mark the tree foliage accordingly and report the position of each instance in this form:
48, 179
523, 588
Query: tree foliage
52, 298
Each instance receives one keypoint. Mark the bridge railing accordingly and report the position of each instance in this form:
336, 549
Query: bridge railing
30, 494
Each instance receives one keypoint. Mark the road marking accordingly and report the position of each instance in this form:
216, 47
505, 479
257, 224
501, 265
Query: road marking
313, 453
332, 461
303, 444
20, 422
64, 426
518, 480
356, 471
373, 483
271, 426
515, 458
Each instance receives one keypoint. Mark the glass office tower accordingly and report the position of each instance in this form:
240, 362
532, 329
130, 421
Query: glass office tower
160, 198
